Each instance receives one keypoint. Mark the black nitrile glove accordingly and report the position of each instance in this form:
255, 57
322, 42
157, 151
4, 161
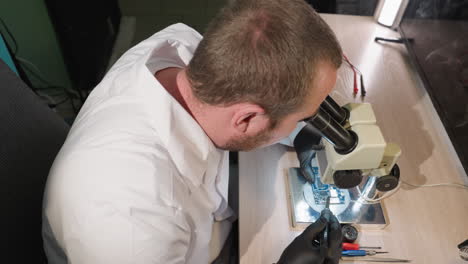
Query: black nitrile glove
306, 143
305, 249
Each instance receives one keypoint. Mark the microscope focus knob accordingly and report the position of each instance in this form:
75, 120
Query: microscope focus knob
389, 182
345, 179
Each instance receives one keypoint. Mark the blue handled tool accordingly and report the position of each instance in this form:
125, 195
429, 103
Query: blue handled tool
360, 253
353, 253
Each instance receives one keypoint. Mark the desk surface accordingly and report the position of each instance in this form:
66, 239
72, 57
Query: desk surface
425, 224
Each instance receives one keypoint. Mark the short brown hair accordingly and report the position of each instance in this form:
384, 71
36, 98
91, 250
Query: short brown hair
264, 52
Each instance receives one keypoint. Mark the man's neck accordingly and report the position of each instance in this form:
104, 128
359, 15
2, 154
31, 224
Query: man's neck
168, 79
175, 81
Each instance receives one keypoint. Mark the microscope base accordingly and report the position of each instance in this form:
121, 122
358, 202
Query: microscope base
306, 201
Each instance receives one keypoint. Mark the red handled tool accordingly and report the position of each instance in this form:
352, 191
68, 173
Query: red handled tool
354, 246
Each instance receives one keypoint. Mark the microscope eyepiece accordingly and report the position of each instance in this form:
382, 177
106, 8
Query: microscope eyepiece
344, 140
340, 114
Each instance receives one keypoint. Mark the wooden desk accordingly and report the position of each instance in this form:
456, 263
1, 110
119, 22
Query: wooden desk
425, 224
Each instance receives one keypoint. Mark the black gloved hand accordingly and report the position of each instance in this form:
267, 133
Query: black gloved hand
305, 249
306, 143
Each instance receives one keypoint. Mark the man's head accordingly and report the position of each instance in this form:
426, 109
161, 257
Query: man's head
271, 61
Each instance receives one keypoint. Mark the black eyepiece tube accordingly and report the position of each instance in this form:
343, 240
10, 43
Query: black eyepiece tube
344, 140
338, 113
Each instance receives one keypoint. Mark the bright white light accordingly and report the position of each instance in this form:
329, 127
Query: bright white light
389, 12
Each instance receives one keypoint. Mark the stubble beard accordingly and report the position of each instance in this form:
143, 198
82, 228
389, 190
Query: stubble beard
248, 143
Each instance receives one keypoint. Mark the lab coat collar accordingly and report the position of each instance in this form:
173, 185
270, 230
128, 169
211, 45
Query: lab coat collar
190, 149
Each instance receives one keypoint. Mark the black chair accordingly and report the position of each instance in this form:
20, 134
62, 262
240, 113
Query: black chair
31, 135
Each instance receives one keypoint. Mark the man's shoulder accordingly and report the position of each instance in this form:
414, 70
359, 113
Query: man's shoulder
178, 31
125, 76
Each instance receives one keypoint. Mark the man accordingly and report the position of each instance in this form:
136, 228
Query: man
142, 176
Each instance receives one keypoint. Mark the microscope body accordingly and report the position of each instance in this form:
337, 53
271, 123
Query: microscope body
372, 155
350, 162
354, 146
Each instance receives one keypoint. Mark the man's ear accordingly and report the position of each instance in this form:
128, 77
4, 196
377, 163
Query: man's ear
249, 118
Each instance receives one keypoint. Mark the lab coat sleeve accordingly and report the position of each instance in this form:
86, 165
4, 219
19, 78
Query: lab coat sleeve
144, 237
109, 213
289, 140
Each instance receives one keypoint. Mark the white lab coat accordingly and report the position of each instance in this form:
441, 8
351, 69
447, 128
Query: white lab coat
137, 180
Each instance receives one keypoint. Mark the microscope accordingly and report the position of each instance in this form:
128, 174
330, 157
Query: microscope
355, 167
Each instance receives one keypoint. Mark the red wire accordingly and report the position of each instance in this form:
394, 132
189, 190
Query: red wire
355, 88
